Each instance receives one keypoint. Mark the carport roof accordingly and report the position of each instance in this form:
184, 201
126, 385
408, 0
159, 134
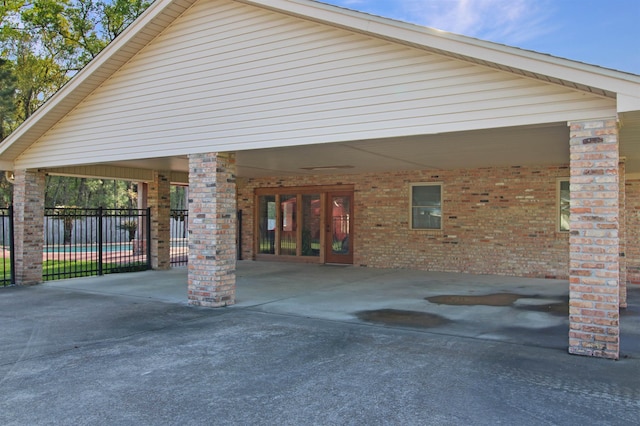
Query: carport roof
588, 78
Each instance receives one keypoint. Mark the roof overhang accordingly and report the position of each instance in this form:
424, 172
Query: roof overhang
162, 13
519, 61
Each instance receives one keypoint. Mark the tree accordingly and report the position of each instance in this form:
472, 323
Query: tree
7, 118
7, 97
49, 41
90, 193
43, 43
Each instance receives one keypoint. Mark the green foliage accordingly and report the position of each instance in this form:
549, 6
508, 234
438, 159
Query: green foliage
178, 199
90, 193
117, 15
8, 82
48, 41
131, 226
43, 43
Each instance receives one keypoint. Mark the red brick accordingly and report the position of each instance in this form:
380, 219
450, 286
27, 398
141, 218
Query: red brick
212, 187
595, 176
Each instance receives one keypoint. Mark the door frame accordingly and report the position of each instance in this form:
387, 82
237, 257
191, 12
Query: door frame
323, 190
329, 255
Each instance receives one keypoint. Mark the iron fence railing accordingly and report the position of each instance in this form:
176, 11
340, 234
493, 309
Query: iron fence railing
81, 242
7, 276
179, 238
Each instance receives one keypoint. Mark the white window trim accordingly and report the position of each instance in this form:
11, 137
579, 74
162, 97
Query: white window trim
413, 184
558, 204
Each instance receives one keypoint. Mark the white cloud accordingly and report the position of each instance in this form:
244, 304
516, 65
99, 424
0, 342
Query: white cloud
504, 21
509, 21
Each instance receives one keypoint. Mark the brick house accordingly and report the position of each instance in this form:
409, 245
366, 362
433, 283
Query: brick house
348, 138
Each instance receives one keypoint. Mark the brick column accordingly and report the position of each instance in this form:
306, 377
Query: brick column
28, 204
140, 243
212, 229
159, 199
594, 317
623, 233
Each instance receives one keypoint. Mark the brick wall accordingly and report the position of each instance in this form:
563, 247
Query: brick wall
632, 251
495, 220
159, 199
28, 202
622, 234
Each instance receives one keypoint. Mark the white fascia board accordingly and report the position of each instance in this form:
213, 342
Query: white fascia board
627, 103
563, 69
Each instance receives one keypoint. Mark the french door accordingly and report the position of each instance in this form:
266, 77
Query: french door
338, 227
305, 224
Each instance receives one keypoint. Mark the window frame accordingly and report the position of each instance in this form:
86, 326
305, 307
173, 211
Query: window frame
558, 211
411, 206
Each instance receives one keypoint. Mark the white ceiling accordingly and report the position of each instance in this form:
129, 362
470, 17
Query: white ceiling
498, 147
528, 145
531, 145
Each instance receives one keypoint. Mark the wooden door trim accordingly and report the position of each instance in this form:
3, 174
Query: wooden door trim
330, 257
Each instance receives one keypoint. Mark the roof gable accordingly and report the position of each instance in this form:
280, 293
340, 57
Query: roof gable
163, 13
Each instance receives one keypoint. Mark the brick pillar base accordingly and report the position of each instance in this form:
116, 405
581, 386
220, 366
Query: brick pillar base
159, 199
594, 318
28, 204
212, 229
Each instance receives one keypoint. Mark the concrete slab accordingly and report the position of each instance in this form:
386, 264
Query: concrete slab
522, 311
73, 356
166, 286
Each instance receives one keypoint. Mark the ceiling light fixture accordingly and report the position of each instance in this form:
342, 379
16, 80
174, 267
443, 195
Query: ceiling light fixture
322, 168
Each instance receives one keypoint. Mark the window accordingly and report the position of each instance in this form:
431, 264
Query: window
564, 198
426, 206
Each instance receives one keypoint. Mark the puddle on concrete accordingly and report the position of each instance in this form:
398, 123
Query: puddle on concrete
558, 308
402, 318
504, 299
497, 299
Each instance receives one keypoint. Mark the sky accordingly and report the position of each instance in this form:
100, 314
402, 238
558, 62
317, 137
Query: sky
597, 32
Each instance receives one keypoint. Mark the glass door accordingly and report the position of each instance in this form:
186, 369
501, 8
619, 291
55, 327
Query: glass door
339, 214
312, 224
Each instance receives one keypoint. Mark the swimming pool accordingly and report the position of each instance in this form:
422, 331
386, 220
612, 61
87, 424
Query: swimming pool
88, 248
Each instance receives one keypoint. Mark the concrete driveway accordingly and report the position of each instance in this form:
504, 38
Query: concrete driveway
307, 344
522, 311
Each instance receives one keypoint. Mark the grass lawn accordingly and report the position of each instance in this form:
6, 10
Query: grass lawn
55, 269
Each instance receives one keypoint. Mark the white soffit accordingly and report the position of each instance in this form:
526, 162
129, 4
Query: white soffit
531, 145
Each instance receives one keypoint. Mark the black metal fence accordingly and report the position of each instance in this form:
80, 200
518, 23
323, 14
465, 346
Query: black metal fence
7, 277
179, 237
81, 242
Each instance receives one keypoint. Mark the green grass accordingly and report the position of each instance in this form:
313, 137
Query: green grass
55, 269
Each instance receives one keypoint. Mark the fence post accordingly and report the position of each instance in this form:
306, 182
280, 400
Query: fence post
148, 232
12, 247
239, 237
100, 271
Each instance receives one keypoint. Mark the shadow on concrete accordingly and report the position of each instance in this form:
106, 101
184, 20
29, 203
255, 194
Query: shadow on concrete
515, 310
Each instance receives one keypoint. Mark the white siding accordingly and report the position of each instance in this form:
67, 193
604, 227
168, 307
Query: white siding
226, 76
